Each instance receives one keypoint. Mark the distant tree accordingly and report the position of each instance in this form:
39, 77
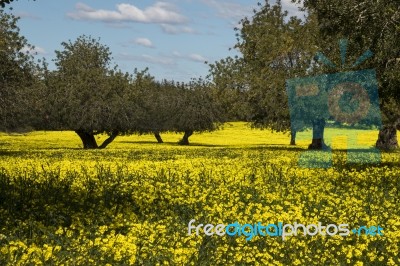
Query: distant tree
89, 97
230, 88
17, 76
169, 106
370, 25
196, 110
158, 100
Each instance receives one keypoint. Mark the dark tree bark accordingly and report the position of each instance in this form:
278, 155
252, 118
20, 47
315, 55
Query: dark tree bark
110, 139
387, 138
185, 139
158, 137
293, 137
318, 135
88, 140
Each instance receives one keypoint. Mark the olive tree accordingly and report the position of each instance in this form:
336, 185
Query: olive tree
196, 110
370, 25
88, 96
18, 80
275, 48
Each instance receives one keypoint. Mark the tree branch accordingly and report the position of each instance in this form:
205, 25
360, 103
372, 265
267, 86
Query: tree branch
110, 139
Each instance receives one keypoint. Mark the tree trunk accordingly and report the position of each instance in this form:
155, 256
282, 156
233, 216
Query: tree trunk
88, 140
113, 135
185, 139
387, 138
158, 137
318, 135
293, 137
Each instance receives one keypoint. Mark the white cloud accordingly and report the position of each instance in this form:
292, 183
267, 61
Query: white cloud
158, 60
192, 57
161, 59
84, 7
177, 54
24, 14
144, 42
172, 29
230, 10
118, 25
36, 50
160, 12
235, 11
197, 58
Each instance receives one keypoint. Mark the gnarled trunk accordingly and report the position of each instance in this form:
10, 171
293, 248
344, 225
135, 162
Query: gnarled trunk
185, 139
293, 137
387, 138
158, 137
89, 141
318, 135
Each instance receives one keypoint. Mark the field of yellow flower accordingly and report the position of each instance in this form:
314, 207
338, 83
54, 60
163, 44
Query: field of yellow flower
131, 203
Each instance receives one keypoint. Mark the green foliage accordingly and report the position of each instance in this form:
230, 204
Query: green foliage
159, 101
196, 108
275, 48
4, 2
86, 95
367, 25
230, 88
17, 78
176, 107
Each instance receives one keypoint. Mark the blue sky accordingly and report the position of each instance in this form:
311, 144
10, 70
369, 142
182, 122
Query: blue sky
173, 38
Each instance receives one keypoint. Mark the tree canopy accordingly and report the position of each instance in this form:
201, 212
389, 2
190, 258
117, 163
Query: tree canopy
274, 47
177, 107
368, 25
88, 96
17, 78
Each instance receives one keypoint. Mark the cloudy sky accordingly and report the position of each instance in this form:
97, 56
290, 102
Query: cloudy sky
172, 37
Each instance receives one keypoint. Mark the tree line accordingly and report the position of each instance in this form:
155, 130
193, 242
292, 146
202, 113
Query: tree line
88, 94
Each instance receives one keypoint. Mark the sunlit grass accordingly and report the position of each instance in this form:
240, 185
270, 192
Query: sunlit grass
234, 134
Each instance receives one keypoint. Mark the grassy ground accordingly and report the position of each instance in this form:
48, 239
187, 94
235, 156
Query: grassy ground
131, 203
236, 134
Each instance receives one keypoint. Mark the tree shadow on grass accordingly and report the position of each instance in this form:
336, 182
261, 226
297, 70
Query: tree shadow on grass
273, 147
140, 142
11, 153
55, 201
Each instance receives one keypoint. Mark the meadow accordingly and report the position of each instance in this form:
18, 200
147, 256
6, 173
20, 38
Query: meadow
130, 204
